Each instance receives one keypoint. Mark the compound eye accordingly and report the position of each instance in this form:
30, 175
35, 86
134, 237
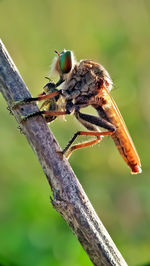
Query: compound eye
66, 62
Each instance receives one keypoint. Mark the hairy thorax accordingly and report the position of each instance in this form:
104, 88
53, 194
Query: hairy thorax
85, 80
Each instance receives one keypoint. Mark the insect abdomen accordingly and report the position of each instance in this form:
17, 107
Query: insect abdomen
121, 136
127, 150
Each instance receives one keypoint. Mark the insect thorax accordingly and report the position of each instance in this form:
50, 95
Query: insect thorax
85, 79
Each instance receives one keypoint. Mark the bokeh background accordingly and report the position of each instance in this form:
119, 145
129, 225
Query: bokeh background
116, 34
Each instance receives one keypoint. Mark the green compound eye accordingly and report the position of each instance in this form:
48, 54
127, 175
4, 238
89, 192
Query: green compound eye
65, 61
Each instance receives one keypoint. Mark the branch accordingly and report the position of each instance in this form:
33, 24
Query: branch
69, 198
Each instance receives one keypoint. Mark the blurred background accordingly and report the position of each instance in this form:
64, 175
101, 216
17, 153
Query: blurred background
116, 34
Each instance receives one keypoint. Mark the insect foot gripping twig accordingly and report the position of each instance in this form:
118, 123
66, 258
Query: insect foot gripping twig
76, 208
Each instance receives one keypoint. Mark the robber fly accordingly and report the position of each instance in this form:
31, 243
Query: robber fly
83, 84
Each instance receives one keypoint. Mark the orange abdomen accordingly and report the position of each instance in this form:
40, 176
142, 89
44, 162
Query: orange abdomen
127, 150
121, 136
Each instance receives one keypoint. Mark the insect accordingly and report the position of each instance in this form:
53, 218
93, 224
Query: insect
83, 84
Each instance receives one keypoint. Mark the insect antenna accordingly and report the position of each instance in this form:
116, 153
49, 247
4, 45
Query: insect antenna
57, 53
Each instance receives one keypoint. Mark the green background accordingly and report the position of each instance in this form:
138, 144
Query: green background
116, 34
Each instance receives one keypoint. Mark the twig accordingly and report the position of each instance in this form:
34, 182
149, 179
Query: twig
69, 198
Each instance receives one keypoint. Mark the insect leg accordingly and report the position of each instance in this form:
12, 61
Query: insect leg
79, 146
47, 113
90, 122
38, 98
85, 144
